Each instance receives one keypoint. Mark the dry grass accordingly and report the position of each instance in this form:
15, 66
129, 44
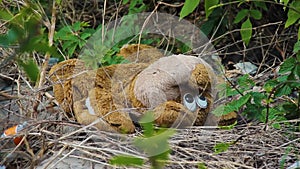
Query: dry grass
48, 143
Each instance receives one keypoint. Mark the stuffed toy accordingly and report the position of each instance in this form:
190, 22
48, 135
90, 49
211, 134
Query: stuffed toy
179, 90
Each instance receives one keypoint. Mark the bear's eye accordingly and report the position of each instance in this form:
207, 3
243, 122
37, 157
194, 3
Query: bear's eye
189, 102
201, 101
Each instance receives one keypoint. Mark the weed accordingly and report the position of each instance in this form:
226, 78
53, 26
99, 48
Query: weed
154, 143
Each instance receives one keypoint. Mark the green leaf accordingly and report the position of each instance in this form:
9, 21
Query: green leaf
242, 101
208, 26
232, 106
276, 126
188, 7
256, 14
77, 26
201, 166
285, 2
156, 144
125, 2
125, 160
147, 123
284, 90
208, 4
241, 15
68, 44
299, 33
270, 84
71, 50
261, 4
221, 147
297, 46
257, 97
297, 71
31, 69
10, 38
245, 82
85, 35
287, 65
219, 111
229, 127
5, 15
293, 14
246, 31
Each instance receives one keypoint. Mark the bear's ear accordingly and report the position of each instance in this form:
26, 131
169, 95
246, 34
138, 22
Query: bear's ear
140, 53
201, 78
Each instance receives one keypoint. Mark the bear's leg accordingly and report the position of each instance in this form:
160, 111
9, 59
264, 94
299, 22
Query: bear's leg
99, 106
173, 114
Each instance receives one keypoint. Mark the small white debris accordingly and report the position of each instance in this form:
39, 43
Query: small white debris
295, 165
246, 67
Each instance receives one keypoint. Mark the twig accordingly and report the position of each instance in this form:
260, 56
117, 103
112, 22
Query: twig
51, 28
170, 5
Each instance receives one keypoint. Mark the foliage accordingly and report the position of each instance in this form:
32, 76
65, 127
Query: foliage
293, 15
30, 67
126, 160
257, 105
73, 37
154, 143
221, 147
250, 10
26, 35
188, 7
135, 6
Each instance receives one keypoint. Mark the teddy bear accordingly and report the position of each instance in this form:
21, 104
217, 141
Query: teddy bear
178, 90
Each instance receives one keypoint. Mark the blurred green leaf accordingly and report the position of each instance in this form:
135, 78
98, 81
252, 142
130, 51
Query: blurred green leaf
147, 124
208, 26
276, 126
221, 147
125, 160
201, 166
287, 65
285, 2
125, 2
293, 14
228, 127
155, 144
257, 97
245, 83
269, 85
219, 111
296, 48
261, 4
188, 7
73, 37
299, 33
241, 15
208, 4
284, 90
246, 31
31, 69
232, 106
237, 104
5, 15
256, 14
76, 26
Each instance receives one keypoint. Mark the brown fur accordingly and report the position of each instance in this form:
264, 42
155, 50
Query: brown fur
111, 93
